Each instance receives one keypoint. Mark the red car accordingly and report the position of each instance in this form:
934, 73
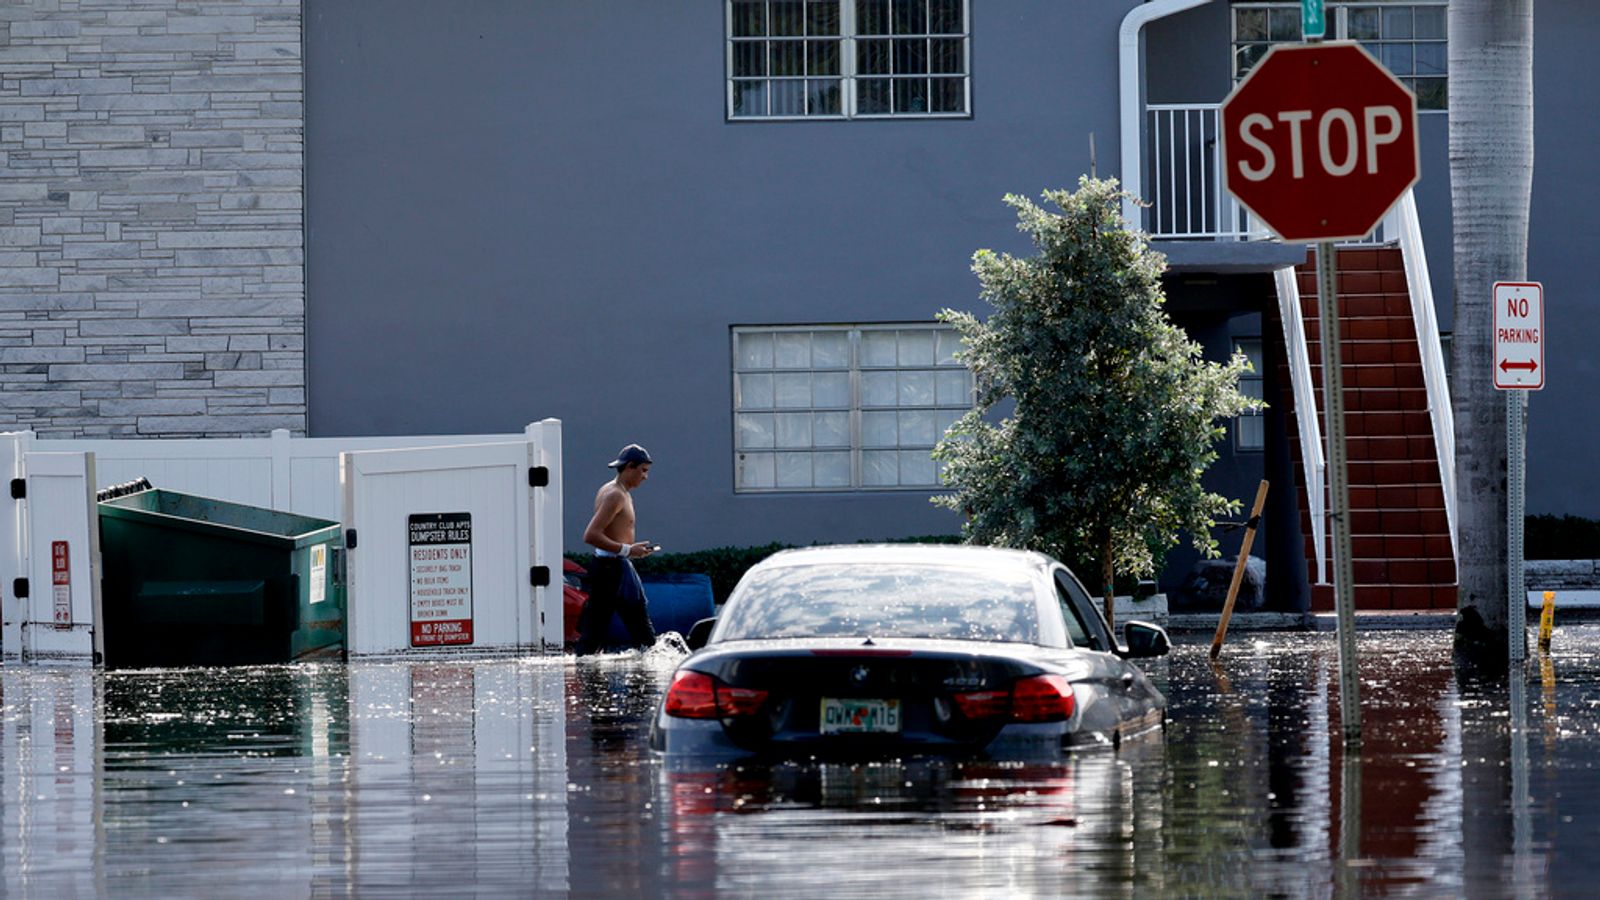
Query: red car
574, 594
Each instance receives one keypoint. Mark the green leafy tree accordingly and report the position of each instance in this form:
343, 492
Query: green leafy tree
1116, 414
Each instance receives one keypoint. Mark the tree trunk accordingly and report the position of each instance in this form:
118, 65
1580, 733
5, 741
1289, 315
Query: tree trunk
1491, 180
1108, 572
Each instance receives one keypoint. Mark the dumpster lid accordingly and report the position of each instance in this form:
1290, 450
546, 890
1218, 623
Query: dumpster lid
206, 513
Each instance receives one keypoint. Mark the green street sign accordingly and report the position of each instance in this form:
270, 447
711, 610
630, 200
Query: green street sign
1313, 24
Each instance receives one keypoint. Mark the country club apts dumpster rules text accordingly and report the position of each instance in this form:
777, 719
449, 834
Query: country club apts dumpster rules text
441, 578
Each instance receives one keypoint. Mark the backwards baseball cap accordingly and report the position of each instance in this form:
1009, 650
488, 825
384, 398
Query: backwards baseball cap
633, 454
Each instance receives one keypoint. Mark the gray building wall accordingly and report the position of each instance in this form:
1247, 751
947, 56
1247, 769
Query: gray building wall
151, 277
539, 209
1564, 419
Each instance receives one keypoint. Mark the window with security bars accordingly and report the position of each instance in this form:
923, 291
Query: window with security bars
1408, 38
806, 59
839, 408
1249, 430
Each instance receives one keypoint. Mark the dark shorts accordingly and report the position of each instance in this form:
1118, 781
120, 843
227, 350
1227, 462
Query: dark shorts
614, 589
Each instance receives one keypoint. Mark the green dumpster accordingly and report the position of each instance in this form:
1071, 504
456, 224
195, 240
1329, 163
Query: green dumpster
188, 581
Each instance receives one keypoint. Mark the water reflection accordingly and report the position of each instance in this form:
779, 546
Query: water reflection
530, 777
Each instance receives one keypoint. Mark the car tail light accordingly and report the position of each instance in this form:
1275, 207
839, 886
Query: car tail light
983, 704
696, 695
693, 695
1042, 698
734, 701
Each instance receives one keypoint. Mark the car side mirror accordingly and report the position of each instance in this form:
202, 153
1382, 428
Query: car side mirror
700, 633
1145, 641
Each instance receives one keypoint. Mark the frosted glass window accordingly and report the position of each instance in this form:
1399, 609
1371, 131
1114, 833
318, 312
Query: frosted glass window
880, 429
831, 469
916, 388
844, 407
949, 345
916, 348
916, 468
794, 429
755, 351
880, 468
792, 391
755, 430
792, 350
794, 470
830, 350
755, 391
879, 388
756, 471
831, 429
878, 348
831, 389
916, 427
955, 389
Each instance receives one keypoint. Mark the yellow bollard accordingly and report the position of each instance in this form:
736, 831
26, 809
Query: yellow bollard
1547, 621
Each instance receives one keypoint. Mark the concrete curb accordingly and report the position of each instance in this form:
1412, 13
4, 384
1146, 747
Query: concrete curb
1398, 620
1386, 620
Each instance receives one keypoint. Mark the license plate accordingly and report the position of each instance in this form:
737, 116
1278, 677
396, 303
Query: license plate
860, 716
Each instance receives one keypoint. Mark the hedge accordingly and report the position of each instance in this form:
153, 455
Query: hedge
1561, 537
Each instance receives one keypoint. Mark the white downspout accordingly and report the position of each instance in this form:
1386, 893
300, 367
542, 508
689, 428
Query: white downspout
1132, 99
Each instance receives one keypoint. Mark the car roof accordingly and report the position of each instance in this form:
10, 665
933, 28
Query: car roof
966, 556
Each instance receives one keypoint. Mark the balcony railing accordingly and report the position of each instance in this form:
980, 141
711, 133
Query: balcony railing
1183, 158
1182, 183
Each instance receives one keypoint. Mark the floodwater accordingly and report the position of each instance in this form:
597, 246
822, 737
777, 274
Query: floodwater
531, 778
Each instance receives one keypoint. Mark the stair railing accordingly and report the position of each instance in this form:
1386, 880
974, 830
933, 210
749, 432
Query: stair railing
1305, 404
1432, 354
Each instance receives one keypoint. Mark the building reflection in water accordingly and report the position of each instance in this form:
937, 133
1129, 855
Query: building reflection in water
320, 778
51, 807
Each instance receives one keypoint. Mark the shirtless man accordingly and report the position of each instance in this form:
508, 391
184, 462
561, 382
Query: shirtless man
614, 586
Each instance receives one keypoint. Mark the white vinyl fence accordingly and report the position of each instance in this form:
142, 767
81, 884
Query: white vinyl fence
298, 475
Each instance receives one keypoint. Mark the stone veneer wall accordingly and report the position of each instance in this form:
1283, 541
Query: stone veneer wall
151, 225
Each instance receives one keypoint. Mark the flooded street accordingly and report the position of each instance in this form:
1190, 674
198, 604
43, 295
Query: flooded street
531, 778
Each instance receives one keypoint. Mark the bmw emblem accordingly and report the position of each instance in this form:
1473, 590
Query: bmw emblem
859, 674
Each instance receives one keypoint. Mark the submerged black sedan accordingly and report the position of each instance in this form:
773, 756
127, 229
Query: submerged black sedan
908, 649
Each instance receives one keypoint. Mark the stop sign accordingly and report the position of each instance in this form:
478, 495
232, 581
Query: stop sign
1319, 140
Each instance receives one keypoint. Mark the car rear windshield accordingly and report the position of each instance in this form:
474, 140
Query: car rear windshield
871, 600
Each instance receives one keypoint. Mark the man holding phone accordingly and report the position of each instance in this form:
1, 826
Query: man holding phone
614, 586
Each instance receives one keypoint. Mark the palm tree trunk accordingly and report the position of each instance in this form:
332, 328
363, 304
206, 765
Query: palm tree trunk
1491, 181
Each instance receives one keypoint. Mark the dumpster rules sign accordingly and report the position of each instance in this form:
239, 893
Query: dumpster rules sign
441, 578
61, 581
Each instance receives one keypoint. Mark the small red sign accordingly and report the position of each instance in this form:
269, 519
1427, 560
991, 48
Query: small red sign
441, 632
61, 581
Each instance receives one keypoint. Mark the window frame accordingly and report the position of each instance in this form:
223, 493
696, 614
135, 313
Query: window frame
1077, 607
1259, 377
848, 76
1338, 21
855, 408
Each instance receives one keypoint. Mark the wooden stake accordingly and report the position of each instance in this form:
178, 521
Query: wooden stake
1238, 570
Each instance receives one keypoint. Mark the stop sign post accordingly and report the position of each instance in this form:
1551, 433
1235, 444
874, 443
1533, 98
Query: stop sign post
1319, 141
